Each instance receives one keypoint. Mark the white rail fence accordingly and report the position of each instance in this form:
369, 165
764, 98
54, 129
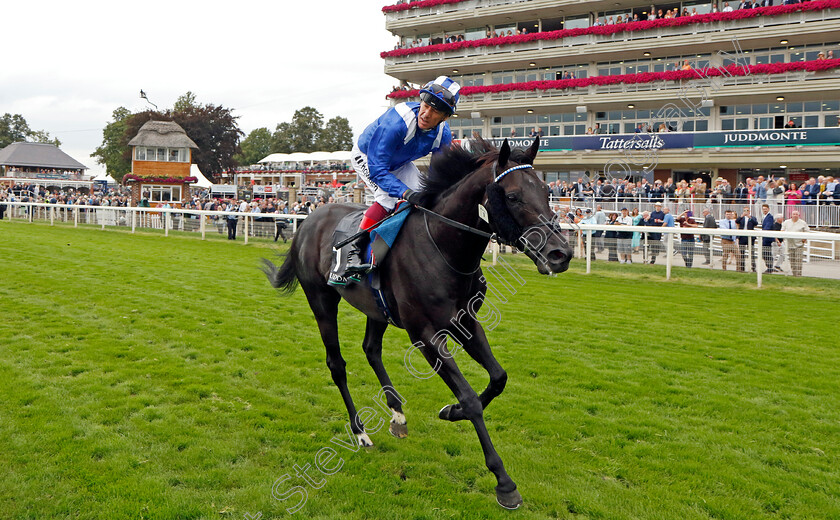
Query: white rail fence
825, 214
820, 254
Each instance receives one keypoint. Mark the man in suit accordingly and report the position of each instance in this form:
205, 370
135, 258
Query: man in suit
767, 224
709, 222
741, 194
657, 217
579, 187
810, 191
727, 242
749, 223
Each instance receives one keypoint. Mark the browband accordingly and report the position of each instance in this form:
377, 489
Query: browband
520, 167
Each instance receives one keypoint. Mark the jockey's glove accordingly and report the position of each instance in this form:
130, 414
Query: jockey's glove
412, 197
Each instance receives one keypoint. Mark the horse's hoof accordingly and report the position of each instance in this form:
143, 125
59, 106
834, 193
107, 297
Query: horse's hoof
398, 430
510, 499
364, 440
445, 411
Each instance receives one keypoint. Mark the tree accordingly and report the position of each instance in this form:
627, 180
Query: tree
336, 135
185, 103
114, 143
254, 147
215, 132
281, 139
306, 129
15, 129
307, 133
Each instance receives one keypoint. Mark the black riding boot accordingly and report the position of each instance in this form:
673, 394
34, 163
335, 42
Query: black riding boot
355, 263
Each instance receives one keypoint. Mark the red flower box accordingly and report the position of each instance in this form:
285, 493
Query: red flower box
167, 180
645, 77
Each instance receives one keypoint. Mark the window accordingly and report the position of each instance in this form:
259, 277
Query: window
158, 193
580, 22
139, 153
150, 154
174, 155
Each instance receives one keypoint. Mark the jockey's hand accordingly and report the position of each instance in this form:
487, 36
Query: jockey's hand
412, 197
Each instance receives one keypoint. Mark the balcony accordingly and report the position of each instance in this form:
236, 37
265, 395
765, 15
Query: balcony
483, 12
803, 83
703, 37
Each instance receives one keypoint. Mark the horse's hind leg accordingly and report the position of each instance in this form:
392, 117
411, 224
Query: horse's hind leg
373, 350
324, 304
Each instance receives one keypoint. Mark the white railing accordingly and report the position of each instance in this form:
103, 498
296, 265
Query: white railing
164, 219
825, 214
758, 22
817, 258
820, 256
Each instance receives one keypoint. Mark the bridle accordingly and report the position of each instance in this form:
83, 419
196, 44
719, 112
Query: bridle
494, 236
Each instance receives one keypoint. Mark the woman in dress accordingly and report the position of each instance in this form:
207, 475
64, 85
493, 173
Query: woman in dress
636, 243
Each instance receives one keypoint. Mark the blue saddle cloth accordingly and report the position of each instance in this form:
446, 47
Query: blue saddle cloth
387, 231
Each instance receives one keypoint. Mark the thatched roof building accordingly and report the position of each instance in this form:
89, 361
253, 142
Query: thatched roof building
166, 134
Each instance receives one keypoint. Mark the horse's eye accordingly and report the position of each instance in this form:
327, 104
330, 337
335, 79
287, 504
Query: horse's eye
513, 197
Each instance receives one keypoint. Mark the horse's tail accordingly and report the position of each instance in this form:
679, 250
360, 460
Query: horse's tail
284, 277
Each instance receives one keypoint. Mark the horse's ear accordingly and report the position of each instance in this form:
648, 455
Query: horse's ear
504, 153
533, 149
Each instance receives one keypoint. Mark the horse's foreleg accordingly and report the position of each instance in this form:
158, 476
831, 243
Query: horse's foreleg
372, 346
325, 308
479, 349
471, 408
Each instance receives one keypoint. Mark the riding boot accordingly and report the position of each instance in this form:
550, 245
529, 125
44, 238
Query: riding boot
355, 262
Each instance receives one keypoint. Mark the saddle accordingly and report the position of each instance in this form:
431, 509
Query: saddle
346, 228
381, 239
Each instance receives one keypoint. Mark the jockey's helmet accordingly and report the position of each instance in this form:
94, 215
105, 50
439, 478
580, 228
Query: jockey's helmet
442, 94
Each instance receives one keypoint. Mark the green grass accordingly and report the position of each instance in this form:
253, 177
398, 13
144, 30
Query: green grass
151, 377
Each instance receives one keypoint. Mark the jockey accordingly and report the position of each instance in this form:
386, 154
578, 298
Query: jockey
384, 153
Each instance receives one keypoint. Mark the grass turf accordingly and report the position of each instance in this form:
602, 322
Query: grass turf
151, 377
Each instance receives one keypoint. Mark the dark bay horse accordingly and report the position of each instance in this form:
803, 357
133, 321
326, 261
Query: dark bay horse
432, 276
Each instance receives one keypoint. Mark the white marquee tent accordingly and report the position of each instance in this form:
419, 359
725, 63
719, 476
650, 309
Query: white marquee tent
202, 181
300, 157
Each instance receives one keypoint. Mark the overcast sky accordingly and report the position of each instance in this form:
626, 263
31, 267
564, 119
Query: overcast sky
67, 65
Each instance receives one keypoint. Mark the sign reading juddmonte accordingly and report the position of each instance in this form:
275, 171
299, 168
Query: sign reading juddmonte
644, 141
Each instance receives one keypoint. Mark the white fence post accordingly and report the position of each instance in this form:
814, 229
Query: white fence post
588, 251
202, 224
75, 217
246, 228
669, 254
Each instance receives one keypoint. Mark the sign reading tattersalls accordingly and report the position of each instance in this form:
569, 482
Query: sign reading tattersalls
643, 141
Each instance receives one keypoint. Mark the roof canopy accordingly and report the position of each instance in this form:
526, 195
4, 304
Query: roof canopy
162, 133
38, 155
301, 157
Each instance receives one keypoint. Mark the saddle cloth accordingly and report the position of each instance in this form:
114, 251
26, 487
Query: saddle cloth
381, 238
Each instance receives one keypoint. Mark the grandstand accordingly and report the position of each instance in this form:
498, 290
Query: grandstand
707, 93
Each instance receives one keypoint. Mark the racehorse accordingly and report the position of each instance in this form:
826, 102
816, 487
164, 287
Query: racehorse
432, 276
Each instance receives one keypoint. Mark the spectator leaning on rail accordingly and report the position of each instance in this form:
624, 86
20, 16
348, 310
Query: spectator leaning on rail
384, 153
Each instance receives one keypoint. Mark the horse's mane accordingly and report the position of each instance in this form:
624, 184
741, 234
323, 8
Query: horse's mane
453, 164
